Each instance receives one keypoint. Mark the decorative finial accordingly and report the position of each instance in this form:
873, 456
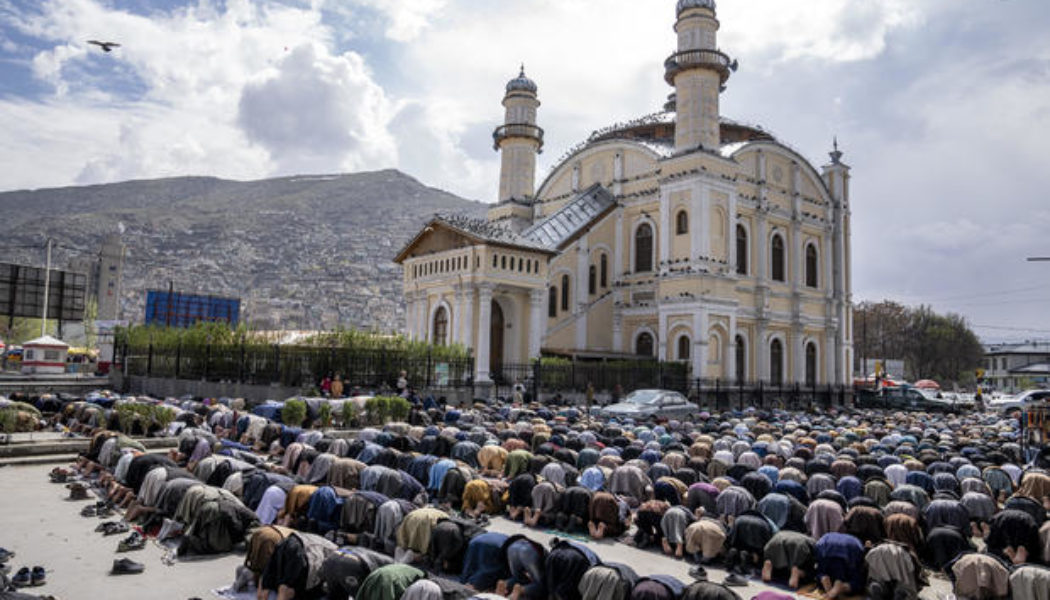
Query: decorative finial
836, 155
522, 72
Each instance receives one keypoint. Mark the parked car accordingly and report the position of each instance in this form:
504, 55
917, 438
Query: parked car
1018, 401
906, 397
641, 405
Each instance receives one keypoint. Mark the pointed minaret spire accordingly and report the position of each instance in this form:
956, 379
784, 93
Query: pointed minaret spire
836, 155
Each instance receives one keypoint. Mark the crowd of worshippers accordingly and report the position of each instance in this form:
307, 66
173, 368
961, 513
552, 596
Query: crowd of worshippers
853, 502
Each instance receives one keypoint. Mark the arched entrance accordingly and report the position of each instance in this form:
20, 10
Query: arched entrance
496, 329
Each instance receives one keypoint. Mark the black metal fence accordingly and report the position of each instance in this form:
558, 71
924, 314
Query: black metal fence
717, 394
621, 377
540, 378
295, 366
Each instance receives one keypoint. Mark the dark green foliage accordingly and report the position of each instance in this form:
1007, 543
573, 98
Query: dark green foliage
293, 413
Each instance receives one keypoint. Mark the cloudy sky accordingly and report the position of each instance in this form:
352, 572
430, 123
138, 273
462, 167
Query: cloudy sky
941, 106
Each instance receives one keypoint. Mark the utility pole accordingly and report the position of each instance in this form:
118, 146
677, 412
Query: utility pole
47, 290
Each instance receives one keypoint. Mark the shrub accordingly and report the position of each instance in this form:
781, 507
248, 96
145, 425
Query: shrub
325, 414
293, 413
383, 409
349, 413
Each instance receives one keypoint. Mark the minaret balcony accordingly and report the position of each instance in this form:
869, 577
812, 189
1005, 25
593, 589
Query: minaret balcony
517, 130
714, 60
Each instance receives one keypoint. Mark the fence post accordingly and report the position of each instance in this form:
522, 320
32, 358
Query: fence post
241, 367
429, 364
178, 358
207, 361
276, 364
149, 360
537, 370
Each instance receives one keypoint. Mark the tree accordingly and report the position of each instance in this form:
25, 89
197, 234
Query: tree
933, 346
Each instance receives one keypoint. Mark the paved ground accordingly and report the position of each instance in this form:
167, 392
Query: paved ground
44, 528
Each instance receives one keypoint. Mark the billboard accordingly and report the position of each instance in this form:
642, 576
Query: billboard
22, 293
176, 309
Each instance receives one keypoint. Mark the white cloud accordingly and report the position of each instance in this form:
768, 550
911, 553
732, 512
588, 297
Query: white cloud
830, 30
315, 111
407, 18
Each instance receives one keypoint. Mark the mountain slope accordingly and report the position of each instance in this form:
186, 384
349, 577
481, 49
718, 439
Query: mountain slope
302, 252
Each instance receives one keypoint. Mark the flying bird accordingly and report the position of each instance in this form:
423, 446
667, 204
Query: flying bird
106, 46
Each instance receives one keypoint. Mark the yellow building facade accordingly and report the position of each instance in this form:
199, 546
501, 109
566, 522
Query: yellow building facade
681, 236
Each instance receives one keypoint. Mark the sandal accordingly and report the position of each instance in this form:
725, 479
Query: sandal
87, 511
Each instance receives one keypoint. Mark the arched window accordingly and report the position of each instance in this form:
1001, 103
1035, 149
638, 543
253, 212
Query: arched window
592, 280
741, 359
495, 261
777, 264
741, 250
811, 266
503, 262
776, 362
811, 364
681, 222
565, 292
643, 346
440, 336
604, 275
683, 347
552, 301
643, 248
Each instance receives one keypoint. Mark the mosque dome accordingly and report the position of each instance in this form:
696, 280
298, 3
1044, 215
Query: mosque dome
521, 83
687, 4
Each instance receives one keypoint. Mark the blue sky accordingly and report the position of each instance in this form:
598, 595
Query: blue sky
942, 107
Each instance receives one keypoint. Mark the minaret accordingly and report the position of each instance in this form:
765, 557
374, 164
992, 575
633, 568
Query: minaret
698, 71
836, 178
518, 140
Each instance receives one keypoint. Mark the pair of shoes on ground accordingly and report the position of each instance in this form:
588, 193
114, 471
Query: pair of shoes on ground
26, 577
112, 527
135, 541
78, 491
60, 475
126, 566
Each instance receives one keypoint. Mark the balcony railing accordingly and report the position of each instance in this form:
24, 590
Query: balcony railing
520, 130
715, 60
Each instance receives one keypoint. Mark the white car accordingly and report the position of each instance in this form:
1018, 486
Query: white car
1019, 401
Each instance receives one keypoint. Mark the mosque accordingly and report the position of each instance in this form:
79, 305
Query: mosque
680, 236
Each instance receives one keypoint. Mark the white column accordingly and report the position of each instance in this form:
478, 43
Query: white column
798, 352
582, 297
617, 186
828, 354
536, 323
665, 230
731, 232
410, 315
761, 250
704, 221
617, 266
468, 318
761, 351
422, 313
617, 325
730, 370
481, 357
828, 258
700, 343
661, 334
457, 316
697, 228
